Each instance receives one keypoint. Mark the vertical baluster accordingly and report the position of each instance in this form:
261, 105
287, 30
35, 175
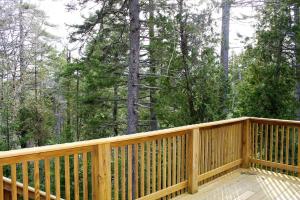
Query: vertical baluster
142, 169
287, 147
293, 149
298, 157
159, 164
85, 176
57, 178
179, 160
148, 168
271, 144
276, 145
25, 180
282, 146
256, 143
67, 177
261, 143
164, 185
123, 172
1, 183
47, 178
37, 180
174, 163
136, 166
253, 142
14, 182
116, 175
154, 166
129, 163
169, 163
76, 177
266, 143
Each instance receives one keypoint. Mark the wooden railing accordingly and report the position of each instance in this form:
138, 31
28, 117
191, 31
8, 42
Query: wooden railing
275, 145
152, 165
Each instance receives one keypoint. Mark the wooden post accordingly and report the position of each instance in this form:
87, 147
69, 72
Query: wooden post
246, 143
193, 160
103, 172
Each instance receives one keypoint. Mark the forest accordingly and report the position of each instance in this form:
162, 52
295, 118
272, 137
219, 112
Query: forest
144, 65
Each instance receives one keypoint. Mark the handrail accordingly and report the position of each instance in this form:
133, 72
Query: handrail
156, 164
31, 191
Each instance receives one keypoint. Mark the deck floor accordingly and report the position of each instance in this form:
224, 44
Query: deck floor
252, 184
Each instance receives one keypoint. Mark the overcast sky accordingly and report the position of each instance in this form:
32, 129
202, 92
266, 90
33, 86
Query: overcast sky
57, 14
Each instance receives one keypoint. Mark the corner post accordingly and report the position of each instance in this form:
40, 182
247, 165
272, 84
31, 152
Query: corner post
246, 143
193, 160
101, 167
104, 179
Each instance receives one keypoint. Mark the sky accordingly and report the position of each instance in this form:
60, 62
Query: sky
58, 15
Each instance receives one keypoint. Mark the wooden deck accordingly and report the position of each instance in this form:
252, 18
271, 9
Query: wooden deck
252, 184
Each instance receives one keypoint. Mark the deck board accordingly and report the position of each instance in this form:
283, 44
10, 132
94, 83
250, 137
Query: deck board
252, 184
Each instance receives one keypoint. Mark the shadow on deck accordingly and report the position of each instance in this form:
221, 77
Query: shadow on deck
248, 184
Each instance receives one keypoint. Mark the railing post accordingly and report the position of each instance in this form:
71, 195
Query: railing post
102, 172
246, 143
193, 160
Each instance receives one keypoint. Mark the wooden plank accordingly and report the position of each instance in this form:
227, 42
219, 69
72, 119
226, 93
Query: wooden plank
25, 180
159, 182
169, 163
174, 149
142, 169
276, 144
164, 182
136, 166
37, 180
282, 145
85, 176
47, 178
293, 149
123, 173
256, 142
179, 161
271, 142
1, 183
280, 166
76, 177
219, 170
165, 192
266, 142
104, 152
287, 145
14, 193
154, 166
116, 173
298, 160
246, 144
129, 179
67, 178
193, 157
261, 131
57, 177
148, 168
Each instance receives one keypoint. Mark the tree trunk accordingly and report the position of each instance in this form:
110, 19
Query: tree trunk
21, 52
225, 35
184, 52
153, 118
297, 53
115, 110
133, 76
